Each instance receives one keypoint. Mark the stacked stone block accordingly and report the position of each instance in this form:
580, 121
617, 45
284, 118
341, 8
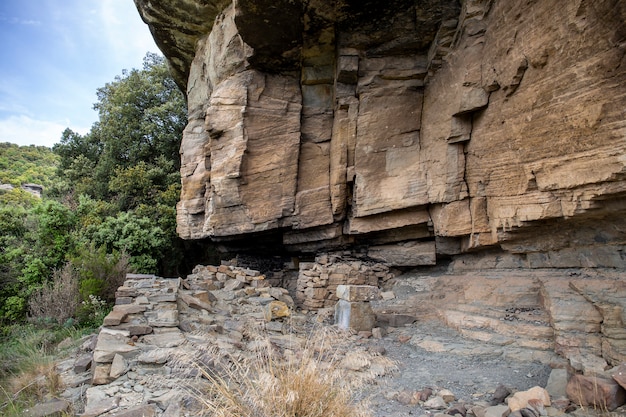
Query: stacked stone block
353, 310
157, 320
210, 278
145, 307
318, 281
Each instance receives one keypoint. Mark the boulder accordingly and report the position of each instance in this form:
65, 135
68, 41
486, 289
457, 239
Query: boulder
557, 383
599, 392
521, 399
275, 309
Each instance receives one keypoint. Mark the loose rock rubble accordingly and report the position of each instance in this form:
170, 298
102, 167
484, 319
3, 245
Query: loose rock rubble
134, 363
148, 348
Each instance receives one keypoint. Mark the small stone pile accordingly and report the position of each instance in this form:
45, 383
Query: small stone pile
225, 276
318, 281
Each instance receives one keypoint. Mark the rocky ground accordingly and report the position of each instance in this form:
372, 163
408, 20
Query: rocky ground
148, 346
472, 374
471, 371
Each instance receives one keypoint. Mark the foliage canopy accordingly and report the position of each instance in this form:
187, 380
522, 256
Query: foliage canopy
109, 201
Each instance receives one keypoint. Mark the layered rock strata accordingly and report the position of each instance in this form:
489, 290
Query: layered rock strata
577, 314
403, 130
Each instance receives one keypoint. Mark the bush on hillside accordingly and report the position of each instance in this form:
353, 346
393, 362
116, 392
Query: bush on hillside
56, 301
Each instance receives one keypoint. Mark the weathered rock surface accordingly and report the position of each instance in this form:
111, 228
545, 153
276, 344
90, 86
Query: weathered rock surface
412, 129
598, 392
535, 312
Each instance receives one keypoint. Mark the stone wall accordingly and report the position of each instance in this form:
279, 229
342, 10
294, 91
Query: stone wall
406, 131
317, 281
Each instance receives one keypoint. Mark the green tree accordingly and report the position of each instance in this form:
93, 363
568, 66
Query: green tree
127, 168
35, 240
109, 201
144, 241
141, 118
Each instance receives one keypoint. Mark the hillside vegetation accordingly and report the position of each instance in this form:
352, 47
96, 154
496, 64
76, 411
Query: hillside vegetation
108, 205
27, 164
108, 208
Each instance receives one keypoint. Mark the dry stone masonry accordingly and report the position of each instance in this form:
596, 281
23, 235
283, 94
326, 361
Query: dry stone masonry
407, 131
318, 281
134, 361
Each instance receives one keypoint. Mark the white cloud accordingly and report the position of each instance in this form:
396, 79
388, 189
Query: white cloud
78, 47
25, 131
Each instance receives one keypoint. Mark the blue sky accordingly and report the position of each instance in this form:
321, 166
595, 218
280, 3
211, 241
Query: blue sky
54, 54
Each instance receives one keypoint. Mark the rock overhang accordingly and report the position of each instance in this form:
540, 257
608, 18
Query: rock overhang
400, 129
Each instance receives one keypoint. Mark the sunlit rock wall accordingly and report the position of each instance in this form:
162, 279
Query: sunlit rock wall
404, 131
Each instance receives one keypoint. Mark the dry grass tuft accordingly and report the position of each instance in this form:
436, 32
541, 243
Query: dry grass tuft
37, 382
58, 299
307, 382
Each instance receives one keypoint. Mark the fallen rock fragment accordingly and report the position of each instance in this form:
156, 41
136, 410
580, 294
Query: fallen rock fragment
619, 375
101, 374
447, 395
83, 363
194, 302
557, 384
118, 367
435, 403
275, 309
457, 410
604, 393
425, 394
500, 395
49, 408
520, 399
497, 411
407, 397
144, 410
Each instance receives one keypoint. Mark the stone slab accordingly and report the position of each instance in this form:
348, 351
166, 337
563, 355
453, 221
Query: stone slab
357, 316
357, 292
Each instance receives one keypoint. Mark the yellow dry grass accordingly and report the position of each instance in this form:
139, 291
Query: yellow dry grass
308, 382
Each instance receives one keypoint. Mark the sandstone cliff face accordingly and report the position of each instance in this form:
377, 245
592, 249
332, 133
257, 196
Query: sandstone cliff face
404, 130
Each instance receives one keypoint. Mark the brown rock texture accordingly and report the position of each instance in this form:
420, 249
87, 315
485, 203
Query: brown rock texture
601, 393
404, 130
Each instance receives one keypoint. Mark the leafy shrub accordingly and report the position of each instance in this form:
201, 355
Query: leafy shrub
14, 308
136, 235
100, 273
92, 311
